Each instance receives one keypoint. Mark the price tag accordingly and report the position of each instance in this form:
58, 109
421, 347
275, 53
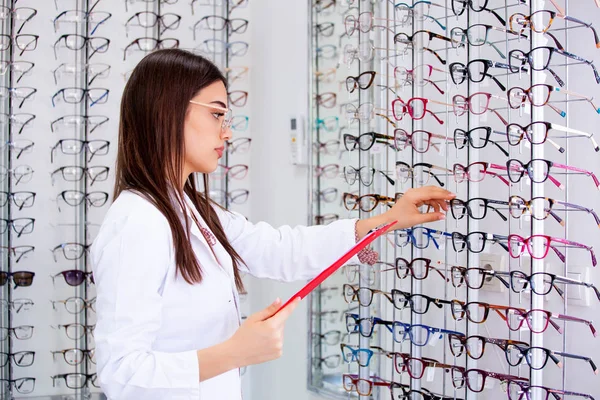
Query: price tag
527, 180
430, 374
434, 338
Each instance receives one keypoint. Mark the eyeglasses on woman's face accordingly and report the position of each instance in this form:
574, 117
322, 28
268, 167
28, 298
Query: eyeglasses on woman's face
223, 112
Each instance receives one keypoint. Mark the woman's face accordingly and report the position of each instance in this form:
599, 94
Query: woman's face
204, 138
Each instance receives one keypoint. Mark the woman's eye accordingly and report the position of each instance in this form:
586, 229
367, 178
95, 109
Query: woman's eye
217, 115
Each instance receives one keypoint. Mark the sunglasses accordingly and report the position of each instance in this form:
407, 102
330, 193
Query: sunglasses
19, 278
74, 277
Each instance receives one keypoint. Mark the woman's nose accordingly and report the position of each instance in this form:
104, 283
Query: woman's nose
226, 134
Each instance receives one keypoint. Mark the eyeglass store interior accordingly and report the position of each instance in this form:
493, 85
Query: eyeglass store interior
340, 106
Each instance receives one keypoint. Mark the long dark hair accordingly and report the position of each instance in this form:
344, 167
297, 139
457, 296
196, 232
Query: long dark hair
151, 147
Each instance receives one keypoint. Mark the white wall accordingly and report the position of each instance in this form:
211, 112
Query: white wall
279, 88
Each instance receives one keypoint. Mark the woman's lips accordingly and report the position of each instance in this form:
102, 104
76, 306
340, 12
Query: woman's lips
219, 151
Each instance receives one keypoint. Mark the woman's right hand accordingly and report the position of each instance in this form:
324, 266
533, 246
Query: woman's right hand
260, 337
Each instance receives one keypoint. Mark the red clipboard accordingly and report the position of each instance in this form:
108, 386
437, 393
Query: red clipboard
361, 244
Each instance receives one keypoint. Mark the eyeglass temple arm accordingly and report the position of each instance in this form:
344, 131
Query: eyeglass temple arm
575, 131
576, 57
495, 175
497, 275
390, 180
571, 93
435, 54
434, 85
444, 276
575, 319
583, 171
581, 208
577, 357
565, 280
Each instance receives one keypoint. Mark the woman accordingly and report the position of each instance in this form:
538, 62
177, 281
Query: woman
167, 260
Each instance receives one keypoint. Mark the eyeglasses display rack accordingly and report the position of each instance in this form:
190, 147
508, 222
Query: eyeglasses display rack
491, 100
59, 124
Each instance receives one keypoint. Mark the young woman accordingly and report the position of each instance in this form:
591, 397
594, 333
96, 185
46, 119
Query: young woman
167, 260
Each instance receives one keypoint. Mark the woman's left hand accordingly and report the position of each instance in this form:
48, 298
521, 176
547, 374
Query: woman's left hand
406, 210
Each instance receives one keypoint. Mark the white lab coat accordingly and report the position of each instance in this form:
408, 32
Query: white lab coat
151, 322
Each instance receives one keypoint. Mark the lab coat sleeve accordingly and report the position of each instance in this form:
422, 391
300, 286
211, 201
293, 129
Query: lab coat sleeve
287, 253
131, 259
